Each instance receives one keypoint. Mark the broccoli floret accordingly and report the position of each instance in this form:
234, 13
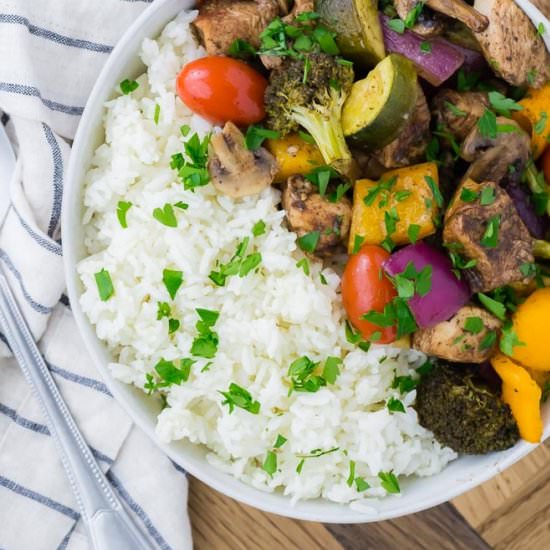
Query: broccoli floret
310, 92
463, 412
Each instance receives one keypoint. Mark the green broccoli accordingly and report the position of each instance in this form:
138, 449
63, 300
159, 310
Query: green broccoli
463, 412
310, 92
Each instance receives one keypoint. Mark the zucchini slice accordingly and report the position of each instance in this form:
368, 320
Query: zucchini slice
378, 106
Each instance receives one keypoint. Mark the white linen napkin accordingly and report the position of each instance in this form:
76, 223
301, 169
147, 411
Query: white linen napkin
50, 55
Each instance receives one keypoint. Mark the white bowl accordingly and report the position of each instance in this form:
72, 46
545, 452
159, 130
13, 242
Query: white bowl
417, 494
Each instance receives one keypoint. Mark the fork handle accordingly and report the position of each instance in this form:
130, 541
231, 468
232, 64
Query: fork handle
108, 522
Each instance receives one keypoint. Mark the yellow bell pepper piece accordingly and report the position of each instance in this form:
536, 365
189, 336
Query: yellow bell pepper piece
294, 156
522, 394
531, 323
534, 118
410, 197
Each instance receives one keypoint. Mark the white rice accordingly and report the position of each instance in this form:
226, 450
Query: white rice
267, 319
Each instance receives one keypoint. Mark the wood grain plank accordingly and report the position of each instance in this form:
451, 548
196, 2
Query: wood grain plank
220, 523
441, 527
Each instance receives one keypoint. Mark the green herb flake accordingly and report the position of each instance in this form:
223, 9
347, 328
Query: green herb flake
323, 279
509, 339
308, 138
487, 196
156, 116
455, 110
173, 372
474, 325
128, 86
405, 384
304, 265
238, 396
121, 211
487, 124
280, 441
255, 136
395, 405
389, 482
181, 205
358, 241
173, 325
361, 485
496, 308
502, 104
540, 125
259, 228
488, 341
438, 197
490, 236
104, 284
166, 215
302, 377
241, 49
300, 466
413, 231
331, 369
172, 280
309, 241
270, 463
397, 25
351, 475
163, 310
425, 47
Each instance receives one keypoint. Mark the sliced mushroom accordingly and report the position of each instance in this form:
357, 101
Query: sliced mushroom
236, 171
512, 45
464, 338
307, 211
410, 146
428, 24
458, 112
496, 159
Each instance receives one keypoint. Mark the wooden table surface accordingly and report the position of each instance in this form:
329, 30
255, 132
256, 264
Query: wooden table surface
509, 512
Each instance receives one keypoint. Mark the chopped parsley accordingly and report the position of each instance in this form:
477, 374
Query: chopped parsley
304, 265
413, 231
308, 138
467, 81
280, 441
540, 125
128, 86
258, 228
395, 405
414, 14
454, 109
351, 476
156, 116
397, 25
206, 343
331, 369
356, 339
239, 264
270, 463
389, 482
121, 211
509, 339
396, 313
490, 237
320, 177
488, 341
496, 308
170, 373
309, 241
173, 325
487, 196
487, 124
241, 49
425, 47
474, 325
104, 284
357, 243
438, 197
192, 171
172, 280
163, 310
255, 136
361, 484
166, 215
383, 187
237, 396
181, 205
302, 377
410, 281
502, 104
405, 384
468, 195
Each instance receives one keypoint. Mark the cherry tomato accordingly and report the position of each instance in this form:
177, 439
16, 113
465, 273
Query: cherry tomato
366, 288
221, 89
545, 164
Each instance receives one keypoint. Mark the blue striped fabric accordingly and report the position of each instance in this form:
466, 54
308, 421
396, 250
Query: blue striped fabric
56, 48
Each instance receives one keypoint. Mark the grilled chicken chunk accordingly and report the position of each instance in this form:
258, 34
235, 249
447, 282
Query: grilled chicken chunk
236, 171
493, 235
411, 144
511, 44
463, 339
307, 211
458, 112
221, 22
501, 159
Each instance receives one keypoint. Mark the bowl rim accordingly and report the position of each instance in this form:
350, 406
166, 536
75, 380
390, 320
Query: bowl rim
335, 513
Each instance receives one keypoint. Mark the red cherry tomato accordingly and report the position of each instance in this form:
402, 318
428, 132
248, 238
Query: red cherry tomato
221, 89
366, 288
545, 164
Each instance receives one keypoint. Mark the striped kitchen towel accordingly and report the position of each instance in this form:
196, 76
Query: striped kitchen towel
50, 55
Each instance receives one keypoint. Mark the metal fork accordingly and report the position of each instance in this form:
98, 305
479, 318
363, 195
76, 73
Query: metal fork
108, 523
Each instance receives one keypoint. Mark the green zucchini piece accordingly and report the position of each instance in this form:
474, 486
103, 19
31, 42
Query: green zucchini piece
357, 24
378, 107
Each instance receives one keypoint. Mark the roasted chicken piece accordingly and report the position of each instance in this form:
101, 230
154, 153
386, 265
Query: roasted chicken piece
463, 339
221, 22
458, 112
411, 144
236, 171
501, 159
512, 45
307, 211
494, 236
457, 9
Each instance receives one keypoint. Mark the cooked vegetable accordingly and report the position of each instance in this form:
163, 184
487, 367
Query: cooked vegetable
378, 106
521, 197
236, 171
309, 213
221, 22
446, 294
533, 118
359, 33
511, 44
222, 89
522, 394
470, 336
460, 10
463, 411
293, 155
545, 162
490, 234
385, 211
364, 290
410, 146
537, 183
530, 324
424, 22
311, 94
437, 66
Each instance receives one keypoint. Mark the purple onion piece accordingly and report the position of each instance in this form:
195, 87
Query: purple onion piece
447, 294
537, 225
